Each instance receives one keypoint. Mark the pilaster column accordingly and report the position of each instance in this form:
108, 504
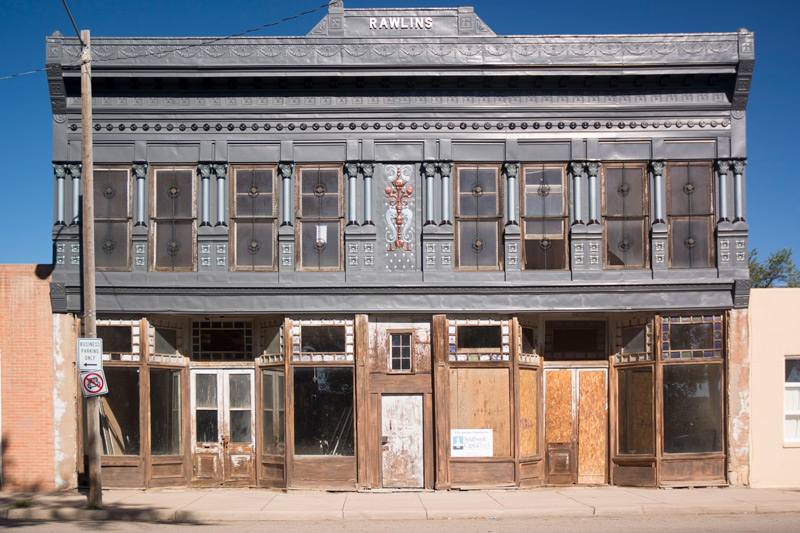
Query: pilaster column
592, 168
445, 169
722, 169
658, 190
512, 171
75, 173
351, 170
221, 172
429, 169
286, 170
61, 175
738, 189
205, 194
140, 173
367, 170
576, 169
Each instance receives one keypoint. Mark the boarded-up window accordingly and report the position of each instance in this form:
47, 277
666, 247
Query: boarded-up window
165, 412
544, 217
112, 218
479, 399
529, 412
625, 215
478, 218
635, 401
320, 224
254, 218
323, 411
173, 219
693, 408
273, 413
119, 412
690, 212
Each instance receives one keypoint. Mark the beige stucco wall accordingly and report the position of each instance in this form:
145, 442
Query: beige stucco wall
774, 334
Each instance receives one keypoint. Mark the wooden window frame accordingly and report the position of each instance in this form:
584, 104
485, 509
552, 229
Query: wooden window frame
155, 220
644, 217
709, 215
412, 359
234, 219
300, 218
459, 219
127, 218
504, 350
524, 218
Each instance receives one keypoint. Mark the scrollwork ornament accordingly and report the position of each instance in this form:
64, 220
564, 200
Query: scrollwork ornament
285, 170
367, 169
140, 170
429, 169
445, 168
577, 167
351, 169
74, 170
658, 167
738, 166
204, 171
593, 168
220, 170
59, 170
511, 170
723, 165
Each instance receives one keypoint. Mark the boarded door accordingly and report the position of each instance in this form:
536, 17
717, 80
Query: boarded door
401, 420
223, 427
576, 425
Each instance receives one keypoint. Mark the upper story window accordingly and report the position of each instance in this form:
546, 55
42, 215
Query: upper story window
544, 217
478, 217
690, 214
625, 208
112, 218
320, 223
173, 219
254, 207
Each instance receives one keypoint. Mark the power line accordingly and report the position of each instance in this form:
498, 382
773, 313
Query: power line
180, 48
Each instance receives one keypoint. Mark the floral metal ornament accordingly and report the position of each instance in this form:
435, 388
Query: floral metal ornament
399, 215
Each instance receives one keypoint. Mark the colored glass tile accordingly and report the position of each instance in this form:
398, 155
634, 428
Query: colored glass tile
717, 345
665, 346
708, 353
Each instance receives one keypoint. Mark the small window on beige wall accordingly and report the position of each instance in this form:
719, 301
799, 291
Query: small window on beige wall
791, 400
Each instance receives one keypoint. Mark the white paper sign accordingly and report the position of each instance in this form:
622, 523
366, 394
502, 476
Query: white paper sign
471, 443
90, 354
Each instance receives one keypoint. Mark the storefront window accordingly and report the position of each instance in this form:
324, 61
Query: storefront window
635, 388
165, 412
273, 412
119, 412
692, 408
323, 411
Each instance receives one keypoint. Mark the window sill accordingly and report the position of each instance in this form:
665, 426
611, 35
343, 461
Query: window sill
791, 444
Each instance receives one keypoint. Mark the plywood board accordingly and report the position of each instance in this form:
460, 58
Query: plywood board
529, 412
559, 418
642, 410
592, 427
479, 399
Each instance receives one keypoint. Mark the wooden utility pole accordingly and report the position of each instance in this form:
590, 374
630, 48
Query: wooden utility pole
94, 449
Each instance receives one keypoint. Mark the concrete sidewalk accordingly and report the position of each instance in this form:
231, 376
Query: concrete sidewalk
202, 505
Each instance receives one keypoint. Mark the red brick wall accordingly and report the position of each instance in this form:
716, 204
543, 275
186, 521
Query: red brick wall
26, 348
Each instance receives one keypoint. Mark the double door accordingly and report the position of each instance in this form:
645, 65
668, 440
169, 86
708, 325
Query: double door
223, 427
576, 425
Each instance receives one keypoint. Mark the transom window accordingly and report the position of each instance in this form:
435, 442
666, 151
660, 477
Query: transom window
625, 215
544, 217
691, 337
254, 218
690, 213
173, 219
320, 222
478, 217
222, 341
401, 359
112, 218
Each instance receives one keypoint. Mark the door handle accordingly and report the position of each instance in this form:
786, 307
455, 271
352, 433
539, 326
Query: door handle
384, 440
225, 441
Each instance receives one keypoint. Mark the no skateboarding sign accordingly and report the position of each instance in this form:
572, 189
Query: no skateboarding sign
93, 383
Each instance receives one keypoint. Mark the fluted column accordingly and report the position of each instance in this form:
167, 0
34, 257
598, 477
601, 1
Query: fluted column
367, 170
738, 189
658, 190
512, 172
205, 194
577, 171
75, 173
445, 169
60, 172
140, 173
285, 170
221, 172
429, 169
722, 169
592, 168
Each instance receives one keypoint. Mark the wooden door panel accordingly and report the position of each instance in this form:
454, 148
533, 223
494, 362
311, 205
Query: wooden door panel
559, 427
402, 441
592, 426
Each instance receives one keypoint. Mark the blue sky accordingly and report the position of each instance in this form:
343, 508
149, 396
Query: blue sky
773, 172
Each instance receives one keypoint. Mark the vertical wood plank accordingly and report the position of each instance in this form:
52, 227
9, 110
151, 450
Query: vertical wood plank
441, 401
362, 399
593, 417
288, 395
529, 411
144, 401
659, 397
428, 442
515, 396
613, 415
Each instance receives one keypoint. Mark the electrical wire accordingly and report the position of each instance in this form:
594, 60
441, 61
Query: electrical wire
187, 47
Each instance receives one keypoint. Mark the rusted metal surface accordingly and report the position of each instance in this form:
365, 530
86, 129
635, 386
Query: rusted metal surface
402, 441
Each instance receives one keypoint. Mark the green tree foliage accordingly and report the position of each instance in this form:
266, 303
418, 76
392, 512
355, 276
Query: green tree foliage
777, 270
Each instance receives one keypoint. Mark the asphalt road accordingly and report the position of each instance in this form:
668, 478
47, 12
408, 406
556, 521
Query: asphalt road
773, 523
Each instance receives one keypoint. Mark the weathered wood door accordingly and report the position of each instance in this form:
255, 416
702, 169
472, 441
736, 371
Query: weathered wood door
576, 425
401, 438
223, 427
